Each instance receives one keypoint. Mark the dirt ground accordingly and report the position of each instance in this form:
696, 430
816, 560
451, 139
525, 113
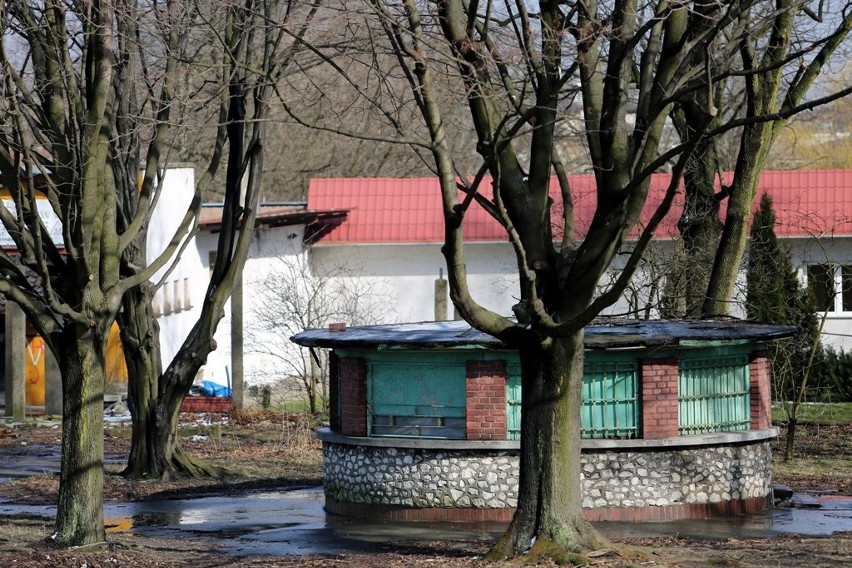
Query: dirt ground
270, 450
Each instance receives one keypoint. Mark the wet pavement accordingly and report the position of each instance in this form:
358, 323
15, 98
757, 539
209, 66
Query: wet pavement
36, 459
294, 522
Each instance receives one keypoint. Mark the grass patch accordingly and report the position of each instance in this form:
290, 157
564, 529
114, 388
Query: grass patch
822, 458
817, 413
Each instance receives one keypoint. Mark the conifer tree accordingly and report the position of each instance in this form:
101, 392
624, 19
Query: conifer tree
775, 294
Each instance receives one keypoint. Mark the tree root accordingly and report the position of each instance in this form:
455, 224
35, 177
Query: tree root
572, 544
185, 465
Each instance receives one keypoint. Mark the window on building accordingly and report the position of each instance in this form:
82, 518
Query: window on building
610, 398
713, 395
410, 398
831, 286
846, 287
821, 285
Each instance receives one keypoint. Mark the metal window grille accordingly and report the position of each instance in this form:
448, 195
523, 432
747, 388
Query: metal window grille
610, 405
610, 400
513, 402
713, 395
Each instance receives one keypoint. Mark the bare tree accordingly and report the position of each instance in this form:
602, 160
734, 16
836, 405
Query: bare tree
293, 298
784, 49
62, 122
255, 43
525, 70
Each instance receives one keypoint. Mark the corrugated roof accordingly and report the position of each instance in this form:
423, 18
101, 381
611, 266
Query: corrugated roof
408, 210
810, 203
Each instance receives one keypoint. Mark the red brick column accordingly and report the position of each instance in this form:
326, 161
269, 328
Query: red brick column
760, 390
659, 397
353, 396
486, 400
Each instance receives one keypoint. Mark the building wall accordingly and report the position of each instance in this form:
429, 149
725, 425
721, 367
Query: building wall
274, 254
179, 300
837, 331
399, 281
406, 274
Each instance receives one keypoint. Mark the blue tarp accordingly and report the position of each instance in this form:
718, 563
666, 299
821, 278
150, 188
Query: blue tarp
209, 388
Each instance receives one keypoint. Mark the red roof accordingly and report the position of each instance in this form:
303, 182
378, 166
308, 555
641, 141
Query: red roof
408, 210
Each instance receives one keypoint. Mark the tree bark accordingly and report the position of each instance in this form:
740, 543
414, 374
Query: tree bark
140, 338
80, 521
731, 247
167, 459
549, 515
790, 439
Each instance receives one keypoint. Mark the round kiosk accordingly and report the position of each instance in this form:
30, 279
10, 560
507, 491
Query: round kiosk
425, 420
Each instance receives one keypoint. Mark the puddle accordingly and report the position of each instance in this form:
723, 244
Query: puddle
293, 522
834, 514
285, 522
36, 459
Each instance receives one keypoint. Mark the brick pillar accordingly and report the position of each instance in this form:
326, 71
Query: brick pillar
353, 396
486, 400
659, 397
760, 390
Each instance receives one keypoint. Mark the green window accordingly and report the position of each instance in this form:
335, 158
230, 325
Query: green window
713, 395
417, 399
610, 399
513, 400
610, 405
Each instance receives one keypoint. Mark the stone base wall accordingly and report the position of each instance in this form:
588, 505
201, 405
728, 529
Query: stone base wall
636, 484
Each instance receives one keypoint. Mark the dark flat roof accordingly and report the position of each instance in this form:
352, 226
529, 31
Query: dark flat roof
602, 334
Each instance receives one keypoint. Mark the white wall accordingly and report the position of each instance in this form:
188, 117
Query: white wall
406, 274
837, 330
189, 277
269, 248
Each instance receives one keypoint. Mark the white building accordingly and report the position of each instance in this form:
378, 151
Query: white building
383, 238
393, 235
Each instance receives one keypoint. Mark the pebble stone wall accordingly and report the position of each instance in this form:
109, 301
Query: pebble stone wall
429, 478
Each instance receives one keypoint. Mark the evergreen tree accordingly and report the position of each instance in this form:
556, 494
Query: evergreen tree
775, 295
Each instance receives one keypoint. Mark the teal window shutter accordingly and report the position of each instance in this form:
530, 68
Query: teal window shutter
713, 395
610, 399
610, 406
410, 398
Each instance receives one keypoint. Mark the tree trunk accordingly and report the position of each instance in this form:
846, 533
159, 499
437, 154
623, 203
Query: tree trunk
80, 516
549, 517
699, 227
729, 254
167, 458
791, 436
140, 338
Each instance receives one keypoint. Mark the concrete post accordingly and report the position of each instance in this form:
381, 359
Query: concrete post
16, 345
237, 371
441, 289
52, 385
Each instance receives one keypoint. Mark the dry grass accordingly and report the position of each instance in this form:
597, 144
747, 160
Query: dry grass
262, 449
822, 458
